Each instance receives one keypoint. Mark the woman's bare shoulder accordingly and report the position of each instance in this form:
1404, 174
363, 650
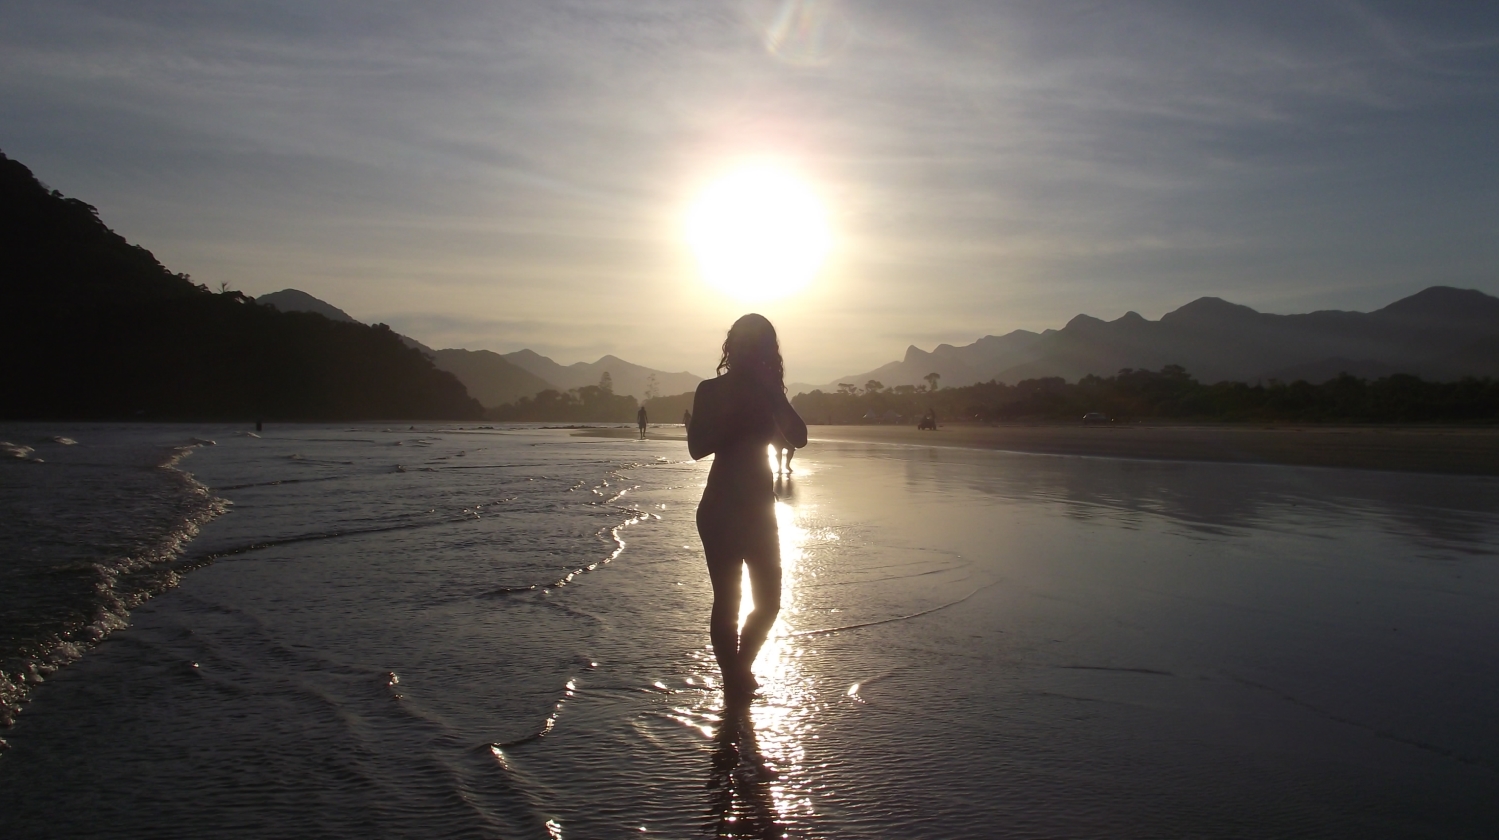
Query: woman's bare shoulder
711, 388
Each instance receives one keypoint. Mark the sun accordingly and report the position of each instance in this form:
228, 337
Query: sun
759, 232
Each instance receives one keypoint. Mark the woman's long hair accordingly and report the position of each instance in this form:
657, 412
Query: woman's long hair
752, 343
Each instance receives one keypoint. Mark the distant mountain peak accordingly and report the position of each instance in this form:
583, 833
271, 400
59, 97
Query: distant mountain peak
1444, 303
628, 377
1208, 309
525, 353
296, 300
1084, 322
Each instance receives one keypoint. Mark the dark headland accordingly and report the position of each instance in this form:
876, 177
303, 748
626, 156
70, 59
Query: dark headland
94, 328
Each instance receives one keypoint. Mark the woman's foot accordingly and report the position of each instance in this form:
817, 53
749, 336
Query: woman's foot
748, 685
739, 688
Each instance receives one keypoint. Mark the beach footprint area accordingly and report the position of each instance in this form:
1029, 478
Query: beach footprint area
440, 632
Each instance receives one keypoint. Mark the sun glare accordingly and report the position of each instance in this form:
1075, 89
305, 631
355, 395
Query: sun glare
758, 233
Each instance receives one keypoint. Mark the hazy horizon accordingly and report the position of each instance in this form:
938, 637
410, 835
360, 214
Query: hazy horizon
503, 176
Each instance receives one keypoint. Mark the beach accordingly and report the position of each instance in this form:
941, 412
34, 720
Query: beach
467, 632
1457, 450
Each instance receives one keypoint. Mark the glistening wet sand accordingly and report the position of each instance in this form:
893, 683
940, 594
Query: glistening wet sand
503, 633
1458, 450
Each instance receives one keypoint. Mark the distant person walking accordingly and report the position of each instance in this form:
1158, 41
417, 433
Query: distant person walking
687, 419
640, 419
734, 417
784, 453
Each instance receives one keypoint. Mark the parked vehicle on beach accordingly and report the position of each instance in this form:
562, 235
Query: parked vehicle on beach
1095, 417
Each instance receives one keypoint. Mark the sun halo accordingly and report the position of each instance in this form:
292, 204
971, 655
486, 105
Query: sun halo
759, 232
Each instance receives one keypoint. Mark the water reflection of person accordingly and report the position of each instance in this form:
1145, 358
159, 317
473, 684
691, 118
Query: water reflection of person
734, 417
743, 799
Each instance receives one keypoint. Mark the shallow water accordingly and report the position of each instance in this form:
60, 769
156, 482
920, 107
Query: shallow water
504, 634
88, 531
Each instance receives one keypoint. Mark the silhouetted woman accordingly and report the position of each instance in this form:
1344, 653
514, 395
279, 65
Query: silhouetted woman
734, 417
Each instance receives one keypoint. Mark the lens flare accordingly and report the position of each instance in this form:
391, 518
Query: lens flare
808, 32
759, 233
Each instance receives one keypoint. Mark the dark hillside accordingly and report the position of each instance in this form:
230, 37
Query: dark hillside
669, 409
93, 327
490, 379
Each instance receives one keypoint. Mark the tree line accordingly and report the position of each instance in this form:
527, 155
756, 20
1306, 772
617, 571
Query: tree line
1168, 394
588, 404
592, 404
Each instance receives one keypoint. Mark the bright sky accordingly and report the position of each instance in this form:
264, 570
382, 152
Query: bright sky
503, 175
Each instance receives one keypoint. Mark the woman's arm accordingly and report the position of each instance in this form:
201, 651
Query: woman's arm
723, 410
788, 422
705, 431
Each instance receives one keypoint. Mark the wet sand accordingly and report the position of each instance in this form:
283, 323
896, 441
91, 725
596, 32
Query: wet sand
503, 633
1456, 450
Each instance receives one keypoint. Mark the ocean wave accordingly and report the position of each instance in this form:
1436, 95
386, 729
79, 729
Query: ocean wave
15, 450
119, 584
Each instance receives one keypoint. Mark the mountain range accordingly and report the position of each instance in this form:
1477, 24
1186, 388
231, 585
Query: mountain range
498, 378
629, 378
103, 330
1440, 333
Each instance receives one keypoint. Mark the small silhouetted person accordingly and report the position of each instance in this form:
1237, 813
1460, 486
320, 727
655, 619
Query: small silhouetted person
259, 425
640, 419
784, 453
686, 419
734, 416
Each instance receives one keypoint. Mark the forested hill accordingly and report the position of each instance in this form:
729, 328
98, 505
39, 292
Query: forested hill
1170, 394
93, 327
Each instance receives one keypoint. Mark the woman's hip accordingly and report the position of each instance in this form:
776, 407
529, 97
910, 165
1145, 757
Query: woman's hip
739, 532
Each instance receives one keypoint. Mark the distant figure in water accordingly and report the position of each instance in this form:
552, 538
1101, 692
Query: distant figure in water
734, 417
640, 419
687, 419
784, 452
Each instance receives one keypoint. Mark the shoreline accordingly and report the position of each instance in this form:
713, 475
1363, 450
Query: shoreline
1453, 450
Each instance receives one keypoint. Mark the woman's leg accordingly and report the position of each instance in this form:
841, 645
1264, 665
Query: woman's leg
752, 539
765, 586
723, 625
